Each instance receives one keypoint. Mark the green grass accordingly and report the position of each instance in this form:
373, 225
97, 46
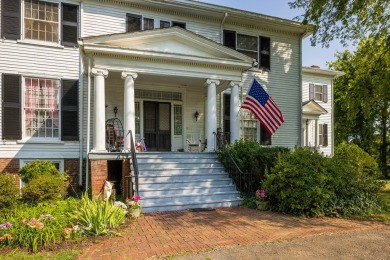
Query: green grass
60, 255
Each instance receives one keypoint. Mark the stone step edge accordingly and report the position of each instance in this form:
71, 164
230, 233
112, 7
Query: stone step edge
193, 168
192, 195
185, 181
238, 199
181, 174
189, 188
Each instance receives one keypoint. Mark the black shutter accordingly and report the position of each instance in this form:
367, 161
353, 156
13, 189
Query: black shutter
265, 53
69, 110
11, 107
311, 91
10, 19
229, 39
69, 24
133, 23
325, 134
325, 93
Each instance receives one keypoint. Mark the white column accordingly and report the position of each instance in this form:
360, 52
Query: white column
234, 115
129, 106
99, 126
211, 113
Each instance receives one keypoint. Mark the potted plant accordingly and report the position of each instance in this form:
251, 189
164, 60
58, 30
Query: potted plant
134, 206
261, 200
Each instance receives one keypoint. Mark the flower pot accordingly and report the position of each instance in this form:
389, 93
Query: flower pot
262, 205
138, 149
135, 213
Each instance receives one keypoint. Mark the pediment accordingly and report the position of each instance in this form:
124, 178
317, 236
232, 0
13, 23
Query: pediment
313, 108
168, 41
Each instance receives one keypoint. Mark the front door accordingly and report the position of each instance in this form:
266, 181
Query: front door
157, 128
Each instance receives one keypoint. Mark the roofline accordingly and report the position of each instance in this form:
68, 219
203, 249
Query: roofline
318, 71
197, 5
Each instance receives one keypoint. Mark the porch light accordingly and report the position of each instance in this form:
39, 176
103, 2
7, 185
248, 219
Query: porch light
115, 110
196, 115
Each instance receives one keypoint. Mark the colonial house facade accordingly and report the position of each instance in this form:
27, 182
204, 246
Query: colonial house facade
317, 108
172, 72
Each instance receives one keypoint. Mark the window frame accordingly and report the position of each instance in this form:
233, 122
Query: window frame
134, 16
182, 25
320, 93
323, 134
143, 23
23, 113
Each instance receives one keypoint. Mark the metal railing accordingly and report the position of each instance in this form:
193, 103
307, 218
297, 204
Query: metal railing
132, 187
241, 179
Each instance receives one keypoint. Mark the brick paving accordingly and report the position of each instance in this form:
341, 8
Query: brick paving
167, 233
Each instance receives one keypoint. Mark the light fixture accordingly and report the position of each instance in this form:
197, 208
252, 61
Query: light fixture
115, 110
196, 115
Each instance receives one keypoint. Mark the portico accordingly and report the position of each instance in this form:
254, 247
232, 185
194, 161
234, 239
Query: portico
170, 60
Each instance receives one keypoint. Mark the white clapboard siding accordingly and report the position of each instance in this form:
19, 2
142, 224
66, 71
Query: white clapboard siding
108, 19
39, 150
308, 78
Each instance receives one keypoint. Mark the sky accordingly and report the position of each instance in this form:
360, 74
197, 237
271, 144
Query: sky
280, 8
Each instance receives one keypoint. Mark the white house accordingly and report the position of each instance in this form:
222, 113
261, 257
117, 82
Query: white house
317, 108
68, 66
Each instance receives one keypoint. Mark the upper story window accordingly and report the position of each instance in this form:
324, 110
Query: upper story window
179, 24
258, 48
134, 23
41, 21
318, 92
165, 24
148, 24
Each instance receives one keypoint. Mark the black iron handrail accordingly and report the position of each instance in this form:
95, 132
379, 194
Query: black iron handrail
135, 167
241, 179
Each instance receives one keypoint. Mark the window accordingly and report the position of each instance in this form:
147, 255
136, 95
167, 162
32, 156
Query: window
249, 126
38, 103
259, 48
179, 24
318, 92
323, 134
165, 24
41, 108
265, 137
148, 24
137, 119
226, 112
40, 20
134, 23
69, 25
178, 112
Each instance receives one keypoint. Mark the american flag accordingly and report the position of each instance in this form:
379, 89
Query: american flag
263, 107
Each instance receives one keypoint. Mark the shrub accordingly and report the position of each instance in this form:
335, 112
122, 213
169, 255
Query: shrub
305, 183
33, 169
44, 187
37, 226
253, 158
9, 193
98, 217
299, 183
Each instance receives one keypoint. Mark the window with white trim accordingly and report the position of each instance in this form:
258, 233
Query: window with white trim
323, 134
41, 108
318, 92
40, 20
148, 23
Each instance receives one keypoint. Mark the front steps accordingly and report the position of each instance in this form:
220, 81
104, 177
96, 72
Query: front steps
178, 181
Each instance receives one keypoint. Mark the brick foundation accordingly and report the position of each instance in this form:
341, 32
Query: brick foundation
11, 166
99, 175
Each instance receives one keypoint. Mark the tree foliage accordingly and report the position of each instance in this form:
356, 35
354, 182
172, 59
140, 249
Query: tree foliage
346, 20
362, 98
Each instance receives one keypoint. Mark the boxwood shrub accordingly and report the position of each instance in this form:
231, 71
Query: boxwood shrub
9, 192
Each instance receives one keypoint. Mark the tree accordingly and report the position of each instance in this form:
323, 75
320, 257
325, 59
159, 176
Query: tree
346, 20
362, 98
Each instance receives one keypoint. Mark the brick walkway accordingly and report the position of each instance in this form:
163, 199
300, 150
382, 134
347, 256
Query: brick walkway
167, 233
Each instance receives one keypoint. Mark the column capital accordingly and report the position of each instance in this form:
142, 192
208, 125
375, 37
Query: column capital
126, 74
234, 83
99, 72
215, 81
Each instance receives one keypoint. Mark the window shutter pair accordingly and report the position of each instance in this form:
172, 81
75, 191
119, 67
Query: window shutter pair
69, 24
324, 92
12, 106
10, 19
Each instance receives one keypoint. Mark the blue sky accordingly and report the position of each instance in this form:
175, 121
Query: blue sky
279, 8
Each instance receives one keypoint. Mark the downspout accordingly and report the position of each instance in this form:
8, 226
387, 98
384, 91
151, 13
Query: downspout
300, 88
222, 22
88, 125
81, 66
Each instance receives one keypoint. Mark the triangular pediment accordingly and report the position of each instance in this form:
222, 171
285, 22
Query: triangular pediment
313, 108
173, 41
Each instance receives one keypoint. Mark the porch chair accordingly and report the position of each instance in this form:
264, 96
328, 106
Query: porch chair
193, 145
114, 135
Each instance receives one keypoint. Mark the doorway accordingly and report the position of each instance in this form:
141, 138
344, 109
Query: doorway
157, 126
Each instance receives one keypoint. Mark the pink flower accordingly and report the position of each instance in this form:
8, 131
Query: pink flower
23, 221
40, 225
136, 198
33, 222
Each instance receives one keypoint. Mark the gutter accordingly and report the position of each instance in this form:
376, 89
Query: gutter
303, 35
88, 125
81, 100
